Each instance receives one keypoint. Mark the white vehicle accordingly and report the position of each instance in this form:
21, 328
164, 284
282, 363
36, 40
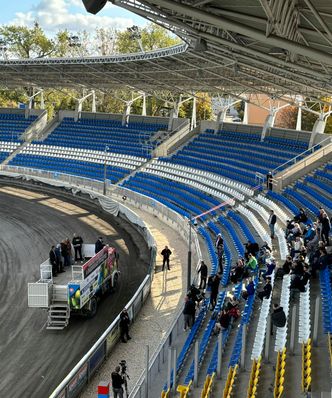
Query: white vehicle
77, 292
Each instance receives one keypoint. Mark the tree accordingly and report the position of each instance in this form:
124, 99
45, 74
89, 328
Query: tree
24, 42
203, 107
152, 37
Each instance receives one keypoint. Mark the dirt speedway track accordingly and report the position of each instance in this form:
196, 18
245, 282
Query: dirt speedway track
33, 359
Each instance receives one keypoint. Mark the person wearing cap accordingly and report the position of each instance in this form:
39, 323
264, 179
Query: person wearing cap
267, 289
117, 383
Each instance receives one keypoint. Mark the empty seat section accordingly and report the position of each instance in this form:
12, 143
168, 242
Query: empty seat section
12, 126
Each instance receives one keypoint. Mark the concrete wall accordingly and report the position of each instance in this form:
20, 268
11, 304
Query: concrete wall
36, 128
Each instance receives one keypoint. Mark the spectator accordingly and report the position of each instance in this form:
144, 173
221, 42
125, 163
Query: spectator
326, 227
189, 313
272, 222
214, 291
99, 245
250, 289
59, 258
69, 251
237, 272
270, 266
219, 241
296, 246
124, 326
223, 322
166, 253
252, 265
278, 317
77, 243
267, 289
203, 270
285, 269
195, 294
53, 261
269, 181
232, 308
251, 248
117, 383
220, 255
301, 217
65, 253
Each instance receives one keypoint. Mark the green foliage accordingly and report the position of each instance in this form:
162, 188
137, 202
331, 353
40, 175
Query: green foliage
152, 37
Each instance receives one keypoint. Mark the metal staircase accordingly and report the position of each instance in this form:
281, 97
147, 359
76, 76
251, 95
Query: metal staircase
59, 310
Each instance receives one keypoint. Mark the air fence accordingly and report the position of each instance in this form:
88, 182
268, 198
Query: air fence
82, 373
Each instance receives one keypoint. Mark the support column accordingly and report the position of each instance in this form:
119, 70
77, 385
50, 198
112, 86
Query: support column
269, 122
193, 115
299, 118
319, 128
93, 108
125, 117
245, 113
144, 105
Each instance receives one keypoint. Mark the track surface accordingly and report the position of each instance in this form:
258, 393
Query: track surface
33, 359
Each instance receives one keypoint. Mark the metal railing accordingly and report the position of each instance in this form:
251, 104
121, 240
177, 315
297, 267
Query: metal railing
81, 374
299, 157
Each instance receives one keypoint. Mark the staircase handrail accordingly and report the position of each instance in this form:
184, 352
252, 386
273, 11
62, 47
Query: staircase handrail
295, 159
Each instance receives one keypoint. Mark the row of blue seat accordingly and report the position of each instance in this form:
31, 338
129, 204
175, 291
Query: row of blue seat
239, 148
189, 342
242, 225
227, 254
326, 296
247, 312
115, 123
239, 137
314, 194
70, 166
205, 338
236, 240
304, 202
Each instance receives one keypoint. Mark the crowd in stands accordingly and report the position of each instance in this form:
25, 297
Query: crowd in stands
307, 243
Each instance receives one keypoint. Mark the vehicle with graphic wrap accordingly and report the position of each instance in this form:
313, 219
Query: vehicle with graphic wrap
76, 293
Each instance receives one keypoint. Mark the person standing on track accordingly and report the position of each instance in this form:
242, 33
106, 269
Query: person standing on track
166, 253
77, 243
53, 261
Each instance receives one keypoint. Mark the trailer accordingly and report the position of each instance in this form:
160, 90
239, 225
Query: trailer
76, 291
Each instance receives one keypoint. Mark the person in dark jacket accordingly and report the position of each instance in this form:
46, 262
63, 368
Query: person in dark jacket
285, 269
269, 181
166, 253
117, 383
99, 245
214, 291
267, 289
203, 270
326, 227
53, 261
301, 216
65, 253
237, 272
77, 243
272, 222
59, 257
189, 313
278, 317
124, 326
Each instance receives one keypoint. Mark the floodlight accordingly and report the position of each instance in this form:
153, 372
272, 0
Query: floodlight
94, 6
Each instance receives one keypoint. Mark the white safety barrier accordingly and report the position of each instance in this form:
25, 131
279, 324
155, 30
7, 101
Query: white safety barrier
261, 325
281, 336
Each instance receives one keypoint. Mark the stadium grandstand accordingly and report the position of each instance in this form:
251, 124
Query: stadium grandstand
262, 325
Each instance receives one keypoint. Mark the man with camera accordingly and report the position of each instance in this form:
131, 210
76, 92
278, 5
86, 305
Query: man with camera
117, 383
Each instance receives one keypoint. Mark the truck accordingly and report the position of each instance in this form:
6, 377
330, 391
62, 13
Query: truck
78, 290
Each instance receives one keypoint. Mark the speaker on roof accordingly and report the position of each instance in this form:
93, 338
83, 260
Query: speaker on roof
94, 6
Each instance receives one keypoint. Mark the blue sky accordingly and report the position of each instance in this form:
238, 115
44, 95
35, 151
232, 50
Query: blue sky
53, 15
